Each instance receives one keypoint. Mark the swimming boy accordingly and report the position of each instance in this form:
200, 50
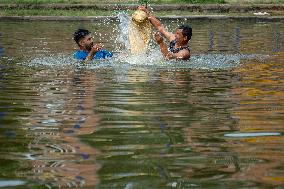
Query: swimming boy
88, 50
178, 47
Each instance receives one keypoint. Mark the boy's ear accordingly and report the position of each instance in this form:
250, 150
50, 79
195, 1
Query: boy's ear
80, 43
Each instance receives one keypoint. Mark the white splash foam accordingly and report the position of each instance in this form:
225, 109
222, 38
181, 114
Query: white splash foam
151, 59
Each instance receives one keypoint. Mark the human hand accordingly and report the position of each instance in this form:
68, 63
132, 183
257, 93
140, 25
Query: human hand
159, 39
143, 8
97, 47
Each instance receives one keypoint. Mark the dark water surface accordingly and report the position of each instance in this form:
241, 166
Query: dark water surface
216, 121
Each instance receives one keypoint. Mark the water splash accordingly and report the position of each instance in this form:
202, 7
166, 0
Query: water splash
140, 32
151, 59
53, 61
147, 58
123, 27
221, 61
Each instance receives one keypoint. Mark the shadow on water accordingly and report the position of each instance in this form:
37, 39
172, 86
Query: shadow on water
215, 121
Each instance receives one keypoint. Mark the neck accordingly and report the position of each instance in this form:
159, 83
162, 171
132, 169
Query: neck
180, 44
83, 49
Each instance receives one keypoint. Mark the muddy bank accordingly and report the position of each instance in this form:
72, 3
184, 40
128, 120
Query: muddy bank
216, 8
114, 18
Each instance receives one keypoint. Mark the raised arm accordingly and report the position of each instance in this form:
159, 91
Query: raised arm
158, 25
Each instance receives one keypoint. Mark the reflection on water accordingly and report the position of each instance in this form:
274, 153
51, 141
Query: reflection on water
215, 121
8, 183
60, 158
244, 135
1, 48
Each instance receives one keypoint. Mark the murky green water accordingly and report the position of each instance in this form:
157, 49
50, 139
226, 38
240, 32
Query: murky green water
215, 121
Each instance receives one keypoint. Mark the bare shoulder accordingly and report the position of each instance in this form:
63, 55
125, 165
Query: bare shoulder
182, 55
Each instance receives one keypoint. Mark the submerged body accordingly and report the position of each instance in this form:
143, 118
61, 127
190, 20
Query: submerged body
82, 55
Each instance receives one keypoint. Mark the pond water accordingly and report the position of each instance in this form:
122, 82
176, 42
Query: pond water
215, 121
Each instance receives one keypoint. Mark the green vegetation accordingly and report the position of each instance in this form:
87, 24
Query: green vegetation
29, 8
52, 12
135, 2
37, 1
143, 2
90, 12
204, 1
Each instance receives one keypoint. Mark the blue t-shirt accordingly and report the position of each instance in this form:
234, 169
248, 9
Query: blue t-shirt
102, 54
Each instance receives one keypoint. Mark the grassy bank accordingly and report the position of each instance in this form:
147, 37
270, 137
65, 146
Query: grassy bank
82, 13
137, 2
52, 12
160, 7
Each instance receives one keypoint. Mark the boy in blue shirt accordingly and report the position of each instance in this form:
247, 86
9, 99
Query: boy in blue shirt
88, 49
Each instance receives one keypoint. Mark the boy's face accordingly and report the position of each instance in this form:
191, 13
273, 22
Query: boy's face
87, 42
179, 36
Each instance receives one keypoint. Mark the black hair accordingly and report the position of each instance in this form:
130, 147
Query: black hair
79, 34
186, 31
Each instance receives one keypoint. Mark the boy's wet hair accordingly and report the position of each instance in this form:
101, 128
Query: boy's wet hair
79, 34
186, 31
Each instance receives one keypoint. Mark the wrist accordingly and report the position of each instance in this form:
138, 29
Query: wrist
93, 51
160, 42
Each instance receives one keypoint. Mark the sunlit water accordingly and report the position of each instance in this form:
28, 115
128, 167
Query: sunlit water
130, 122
